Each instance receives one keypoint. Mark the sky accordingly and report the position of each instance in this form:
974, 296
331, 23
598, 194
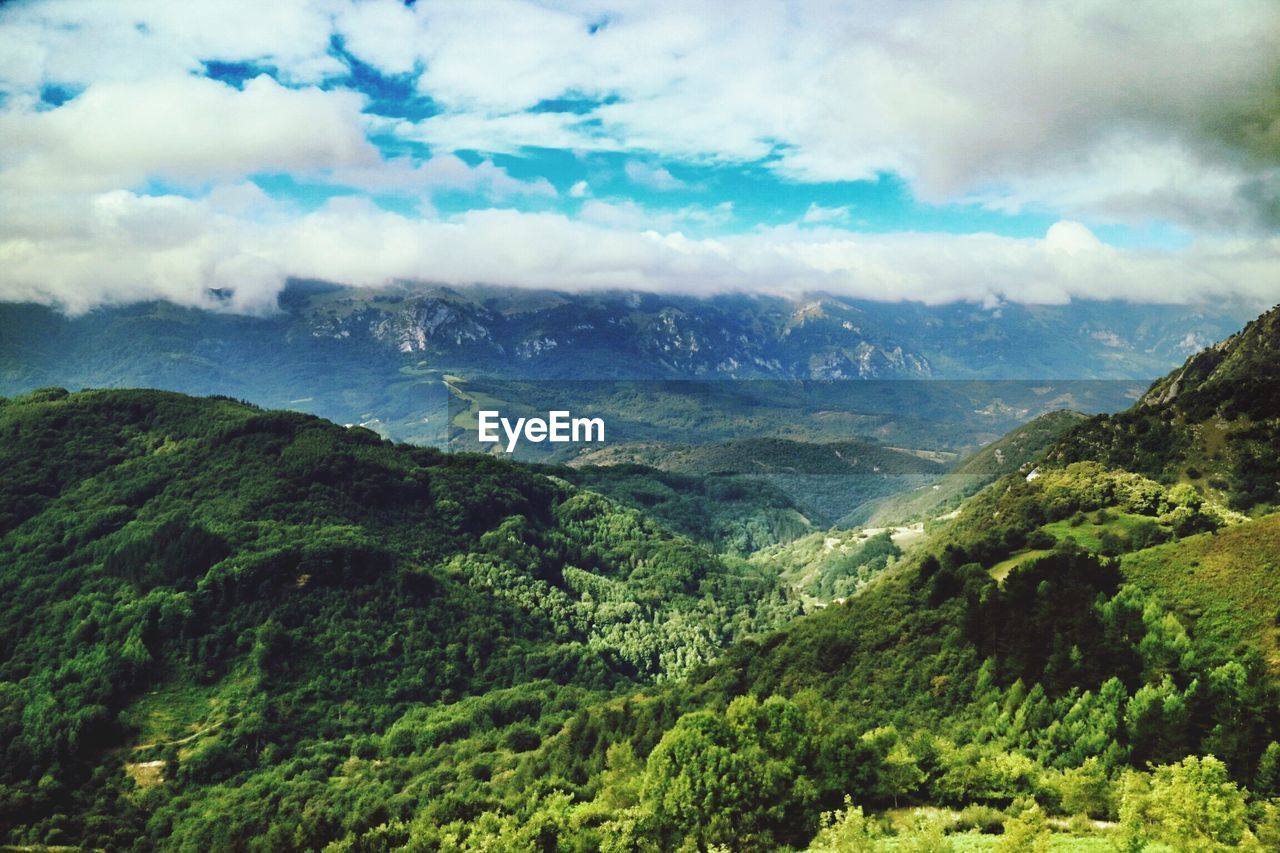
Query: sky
984, 150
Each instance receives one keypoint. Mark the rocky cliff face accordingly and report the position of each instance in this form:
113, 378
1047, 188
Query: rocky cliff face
328, 334
739, 338
1251, 357
547, 334
407, 325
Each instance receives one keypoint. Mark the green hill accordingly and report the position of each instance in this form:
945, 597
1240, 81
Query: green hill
1078, 639
1214, 422
198, 596
1003, 456
729, 513
1073, 684
1227, 583
831, 483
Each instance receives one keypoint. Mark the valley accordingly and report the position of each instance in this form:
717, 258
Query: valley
228, 626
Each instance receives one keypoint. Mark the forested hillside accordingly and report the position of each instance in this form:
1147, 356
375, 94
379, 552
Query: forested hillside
832, 483
1214, 422
1082, 657
198, 595
226, 628
1011, 686
729, 513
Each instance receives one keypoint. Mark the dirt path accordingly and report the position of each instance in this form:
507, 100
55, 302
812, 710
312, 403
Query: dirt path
179, 741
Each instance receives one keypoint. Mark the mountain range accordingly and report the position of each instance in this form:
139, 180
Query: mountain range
379, 356
227, 627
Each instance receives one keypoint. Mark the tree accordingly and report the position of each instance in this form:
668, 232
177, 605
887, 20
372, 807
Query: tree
844, 830
1192, 805
902, 774
736, 777
1086, 789
1266, 783
1185, 495
1025, 831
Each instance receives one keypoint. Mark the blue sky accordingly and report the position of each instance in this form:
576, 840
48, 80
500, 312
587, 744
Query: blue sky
743, 194
988, 150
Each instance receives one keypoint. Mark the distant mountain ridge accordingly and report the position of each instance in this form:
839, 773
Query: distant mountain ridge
816, 336
377, 356
637, 335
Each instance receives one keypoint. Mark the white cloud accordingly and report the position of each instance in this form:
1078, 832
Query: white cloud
1071, 238
507, 133
653, 177
1123, 111
625, 213
442, 172
1090, 110
86, 41
816, 213
119, 246
185, 129
389, 35
616, 214
1120, 111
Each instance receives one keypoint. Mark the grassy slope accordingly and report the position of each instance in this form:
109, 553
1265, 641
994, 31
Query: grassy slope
1228, 582
1089, 532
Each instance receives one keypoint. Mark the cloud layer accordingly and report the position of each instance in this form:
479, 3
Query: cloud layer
128, 172
129, 247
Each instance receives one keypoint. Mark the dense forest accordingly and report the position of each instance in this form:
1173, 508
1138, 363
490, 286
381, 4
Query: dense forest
229, 628
202, 592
